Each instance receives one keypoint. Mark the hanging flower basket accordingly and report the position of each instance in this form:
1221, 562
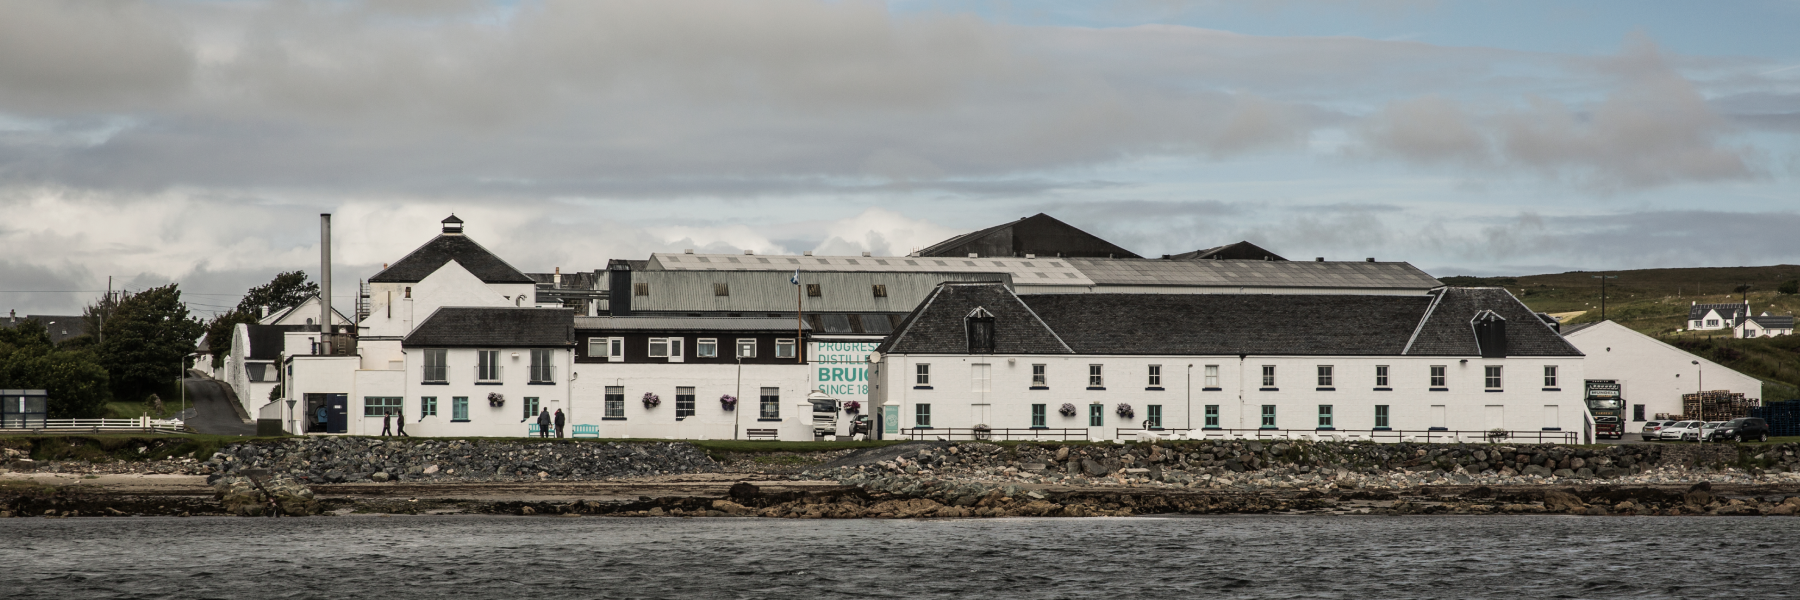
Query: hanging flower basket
728, 402
1067, 410
651, 400
496, 400
983, 432
1124, 411
852, 407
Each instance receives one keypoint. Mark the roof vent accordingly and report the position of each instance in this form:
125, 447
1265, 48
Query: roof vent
1266, 257
688, 251
453, 224
1370, 259
865, 254
1319, 259
1030, 256
974, 255
749, 252
806, 253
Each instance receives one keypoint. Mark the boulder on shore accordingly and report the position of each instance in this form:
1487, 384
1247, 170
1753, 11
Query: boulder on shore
240, 496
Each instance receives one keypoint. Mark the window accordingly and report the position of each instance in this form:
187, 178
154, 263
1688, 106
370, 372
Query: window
1268, 416
617, 348
1550, 377
1696, 324
1381, 376
684, 402
721, 289
1268, 378
1212, 376
1096, 415
922, 374
1324, 375
531, 407
706, 347
1095, 379
1437, 376
921, 415
1037, 376
1637, 412
436, 370
1381, 415
746, 348
542, 370
375, 406
1038, 416
784, 348
675, 347
487, 365
880, 290
1154, 414
459, 408
813, 291
408, 292
1155, 376
1493, 377
1212, 415
771, 403
659, 347
615, 402
640, 289
1325, 416
1712, 322
980, 327
427, 406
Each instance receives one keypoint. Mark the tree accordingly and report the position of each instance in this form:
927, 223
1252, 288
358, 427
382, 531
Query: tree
286, 290
74, 379
148, 338
1789, 287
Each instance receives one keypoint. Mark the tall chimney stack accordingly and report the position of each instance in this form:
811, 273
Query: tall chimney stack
325, 282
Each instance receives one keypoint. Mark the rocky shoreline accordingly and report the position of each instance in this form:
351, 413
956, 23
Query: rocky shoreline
937, 480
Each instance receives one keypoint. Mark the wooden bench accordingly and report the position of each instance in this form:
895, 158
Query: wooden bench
767, 434
592, 431
534, 431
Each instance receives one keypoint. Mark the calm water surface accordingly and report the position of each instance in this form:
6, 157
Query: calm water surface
1364, 558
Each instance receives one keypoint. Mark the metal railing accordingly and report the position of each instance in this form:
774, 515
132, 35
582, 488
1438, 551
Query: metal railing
543, 373
436, 374
489, 374
145, 424
1432, 436
966, 433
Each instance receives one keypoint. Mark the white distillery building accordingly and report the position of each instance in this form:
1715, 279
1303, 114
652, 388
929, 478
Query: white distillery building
1651, 375
1456, 362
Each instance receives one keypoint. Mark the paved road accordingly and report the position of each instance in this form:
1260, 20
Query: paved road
211, 410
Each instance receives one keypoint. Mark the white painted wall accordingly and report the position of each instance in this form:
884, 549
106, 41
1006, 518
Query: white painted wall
1650, 372
710, 420
1520, 406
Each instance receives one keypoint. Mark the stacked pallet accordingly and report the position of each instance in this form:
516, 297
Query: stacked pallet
1717, 405
1783, 417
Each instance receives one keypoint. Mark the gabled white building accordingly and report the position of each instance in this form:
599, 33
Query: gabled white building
1457, 362
1651, 375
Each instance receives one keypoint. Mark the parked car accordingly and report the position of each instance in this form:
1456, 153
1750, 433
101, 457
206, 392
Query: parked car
1652, 427
1747, 428
1707, 429
1679, 431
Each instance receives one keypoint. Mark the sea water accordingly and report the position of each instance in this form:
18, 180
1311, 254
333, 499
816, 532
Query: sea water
442, 557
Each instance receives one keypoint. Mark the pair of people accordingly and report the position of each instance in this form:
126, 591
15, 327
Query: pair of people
544, 422
392, 416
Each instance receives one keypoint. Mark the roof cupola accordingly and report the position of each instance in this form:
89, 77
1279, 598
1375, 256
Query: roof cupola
453, 224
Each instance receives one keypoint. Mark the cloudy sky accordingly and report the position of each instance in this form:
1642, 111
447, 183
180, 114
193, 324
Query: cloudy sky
198, 141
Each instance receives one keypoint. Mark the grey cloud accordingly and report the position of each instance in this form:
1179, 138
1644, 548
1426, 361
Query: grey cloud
59, 58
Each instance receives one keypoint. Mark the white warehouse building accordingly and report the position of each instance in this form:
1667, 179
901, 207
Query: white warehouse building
1651, 375
979, 360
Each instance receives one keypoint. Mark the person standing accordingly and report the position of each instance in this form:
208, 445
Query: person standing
559, 423
321, 418
399, 424
387, 420
544, 423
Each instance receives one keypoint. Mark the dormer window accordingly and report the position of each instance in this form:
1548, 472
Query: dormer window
980, 326
1490, 334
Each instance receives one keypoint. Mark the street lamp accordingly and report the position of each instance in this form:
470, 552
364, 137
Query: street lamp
1700, 377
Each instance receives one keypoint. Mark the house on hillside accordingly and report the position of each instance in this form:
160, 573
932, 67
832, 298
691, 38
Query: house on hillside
1651, 375
1764, 325
1739, 319
1467, 360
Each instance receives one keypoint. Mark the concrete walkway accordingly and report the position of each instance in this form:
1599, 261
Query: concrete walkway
212, 410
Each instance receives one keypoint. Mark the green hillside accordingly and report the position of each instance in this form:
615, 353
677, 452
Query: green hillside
1656, 302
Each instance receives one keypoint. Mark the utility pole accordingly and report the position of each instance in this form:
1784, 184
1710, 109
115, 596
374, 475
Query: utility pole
1603, 279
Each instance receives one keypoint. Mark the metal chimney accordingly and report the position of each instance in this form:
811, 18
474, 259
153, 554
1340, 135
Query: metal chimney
325, 283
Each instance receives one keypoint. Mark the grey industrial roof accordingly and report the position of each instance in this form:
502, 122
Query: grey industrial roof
1446, 330
494, 327
427, 259
1033, 271
1221, 324
686, 324
1255, 273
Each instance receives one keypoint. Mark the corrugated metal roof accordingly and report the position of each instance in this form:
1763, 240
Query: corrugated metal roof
685, 324
1255, 273
1024, 271
771, 291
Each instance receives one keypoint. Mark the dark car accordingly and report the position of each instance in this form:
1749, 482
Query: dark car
1747, 428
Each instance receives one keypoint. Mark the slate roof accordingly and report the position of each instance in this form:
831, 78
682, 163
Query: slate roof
495, 327
1730, 312
427, 259
1238, 251
1039, 234
1222, 324
936, 326
1570, 329
1773, 322
747, 324
1446, 331
61, 327
1255, 273
267, 341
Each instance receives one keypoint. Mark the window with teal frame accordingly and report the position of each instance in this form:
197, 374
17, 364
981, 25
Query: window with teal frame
1212, 416
1325, 416
1381, 416
459, 409
1268, 416
1037, 415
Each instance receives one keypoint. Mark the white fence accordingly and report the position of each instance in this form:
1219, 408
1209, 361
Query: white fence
144, 424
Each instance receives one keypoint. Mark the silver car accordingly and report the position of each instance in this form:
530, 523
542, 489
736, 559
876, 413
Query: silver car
1653, 428
1706, 430
1681, 430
